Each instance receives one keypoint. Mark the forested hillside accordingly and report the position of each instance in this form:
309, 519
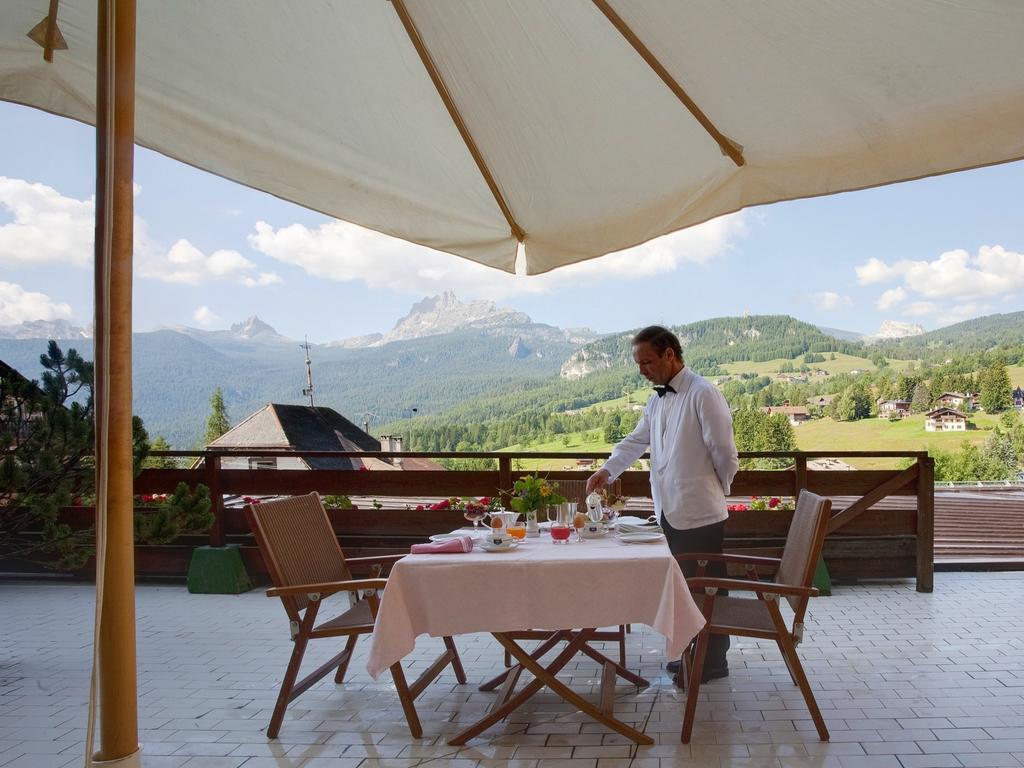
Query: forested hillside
710, 343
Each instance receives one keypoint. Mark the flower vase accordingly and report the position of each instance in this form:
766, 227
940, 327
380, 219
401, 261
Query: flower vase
532, 527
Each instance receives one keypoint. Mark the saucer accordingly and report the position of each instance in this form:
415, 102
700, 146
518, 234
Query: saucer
642, 537
488, 547
450, 536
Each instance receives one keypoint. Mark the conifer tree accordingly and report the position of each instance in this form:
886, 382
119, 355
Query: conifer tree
217, 424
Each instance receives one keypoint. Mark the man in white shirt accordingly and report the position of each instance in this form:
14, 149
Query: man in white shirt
688, 427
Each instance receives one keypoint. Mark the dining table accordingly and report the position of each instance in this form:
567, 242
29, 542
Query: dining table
567, 589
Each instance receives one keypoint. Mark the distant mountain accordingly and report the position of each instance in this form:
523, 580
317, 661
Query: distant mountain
894, 329
252, 329
483, 350
976, 335
444, 313
44, 329
840, 334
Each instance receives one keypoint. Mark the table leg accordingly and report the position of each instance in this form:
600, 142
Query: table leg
540, 650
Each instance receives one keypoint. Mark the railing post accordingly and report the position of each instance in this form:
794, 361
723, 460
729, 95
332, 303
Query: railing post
800, 476
925, 524
505, 480
211, 471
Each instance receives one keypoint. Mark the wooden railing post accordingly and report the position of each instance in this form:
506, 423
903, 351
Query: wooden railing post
926, 524
505, 480
211, 467
799, 476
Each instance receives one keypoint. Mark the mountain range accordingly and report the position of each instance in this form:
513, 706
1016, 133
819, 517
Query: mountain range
444, 355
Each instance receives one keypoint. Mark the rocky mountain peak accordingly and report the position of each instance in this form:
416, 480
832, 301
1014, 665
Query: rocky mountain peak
253, 327
445, 313
894, 329
45, 329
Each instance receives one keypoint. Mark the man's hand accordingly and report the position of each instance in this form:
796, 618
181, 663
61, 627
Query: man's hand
598, 480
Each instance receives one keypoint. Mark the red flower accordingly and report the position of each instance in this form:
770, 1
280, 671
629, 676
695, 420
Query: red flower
419, 507
364, 468
773, 502
737, 508
485, 501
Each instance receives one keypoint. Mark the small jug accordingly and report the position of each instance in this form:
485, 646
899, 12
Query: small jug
594, 510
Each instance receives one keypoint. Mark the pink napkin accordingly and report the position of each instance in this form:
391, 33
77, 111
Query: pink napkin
461, 544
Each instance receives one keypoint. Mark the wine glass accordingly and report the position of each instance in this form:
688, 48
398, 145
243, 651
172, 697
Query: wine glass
475, 516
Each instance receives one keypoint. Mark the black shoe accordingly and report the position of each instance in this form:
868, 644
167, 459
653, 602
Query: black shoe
709, 673
673, 667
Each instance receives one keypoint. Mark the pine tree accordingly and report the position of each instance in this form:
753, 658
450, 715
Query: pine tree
218, 422
922, 400
160, 462
996, 392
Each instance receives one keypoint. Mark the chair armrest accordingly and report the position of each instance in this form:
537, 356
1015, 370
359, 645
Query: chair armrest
375, 559
727, 557
761, 587
328, 587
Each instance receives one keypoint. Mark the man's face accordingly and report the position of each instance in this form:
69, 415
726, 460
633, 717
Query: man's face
657, 369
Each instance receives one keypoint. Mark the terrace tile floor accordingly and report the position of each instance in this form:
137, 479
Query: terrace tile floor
903, 679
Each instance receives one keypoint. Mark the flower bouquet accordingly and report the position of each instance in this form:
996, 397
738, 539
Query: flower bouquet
764, 503
531, 493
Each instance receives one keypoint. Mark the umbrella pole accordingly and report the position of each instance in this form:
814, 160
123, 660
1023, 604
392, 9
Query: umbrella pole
115, 576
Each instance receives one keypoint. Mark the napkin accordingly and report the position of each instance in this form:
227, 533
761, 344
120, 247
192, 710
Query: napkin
642, 527
461, 544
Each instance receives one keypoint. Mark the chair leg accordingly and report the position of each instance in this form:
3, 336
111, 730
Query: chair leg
785, 658
695, 673
405, 697
460, 673
284, 696
789, 651
622, 645
339, 676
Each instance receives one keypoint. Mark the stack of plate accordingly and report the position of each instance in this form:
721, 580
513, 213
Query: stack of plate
641, 537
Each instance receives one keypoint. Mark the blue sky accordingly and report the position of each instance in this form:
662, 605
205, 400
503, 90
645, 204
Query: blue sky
210, 252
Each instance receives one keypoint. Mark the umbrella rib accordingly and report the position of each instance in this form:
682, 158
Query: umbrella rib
729, 147
456, 116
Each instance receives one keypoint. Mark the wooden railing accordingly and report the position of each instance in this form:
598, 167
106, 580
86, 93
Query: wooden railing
866, 486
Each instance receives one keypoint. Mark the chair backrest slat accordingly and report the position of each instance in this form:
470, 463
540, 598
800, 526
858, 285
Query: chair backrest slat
804, 543
296, 539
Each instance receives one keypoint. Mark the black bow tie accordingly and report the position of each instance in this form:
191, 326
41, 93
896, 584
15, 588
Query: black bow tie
661, 390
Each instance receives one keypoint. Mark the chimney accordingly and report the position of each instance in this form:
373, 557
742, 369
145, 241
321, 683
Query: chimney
391, 444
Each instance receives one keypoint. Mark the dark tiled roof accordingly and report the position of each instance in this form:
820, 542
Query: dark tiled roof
323, 429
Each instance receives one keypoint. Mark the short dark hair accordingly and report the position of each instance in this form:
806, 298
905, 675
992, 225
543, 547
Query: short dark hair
661, 339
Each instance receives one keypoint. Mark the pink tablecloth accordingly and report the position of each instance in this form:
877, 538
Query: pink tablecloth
539, 585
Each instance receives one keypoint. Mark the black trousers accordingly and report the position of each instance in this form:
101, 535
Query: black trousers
707, 538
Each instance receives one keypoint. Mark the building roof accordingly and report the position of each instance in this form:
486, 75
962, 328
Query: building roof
945, 410
303, 428
788, 410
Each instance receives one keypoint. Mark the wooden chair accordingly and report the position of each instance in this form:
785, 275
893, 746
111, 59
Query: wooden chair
761, 617
306, 565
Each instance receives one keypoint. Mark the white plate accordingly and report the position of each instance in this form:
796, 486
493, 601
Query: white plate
450, 536
643, 537
486, 547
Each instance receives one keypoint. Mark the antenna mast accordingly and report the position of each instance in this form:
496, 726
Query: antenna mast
308, 391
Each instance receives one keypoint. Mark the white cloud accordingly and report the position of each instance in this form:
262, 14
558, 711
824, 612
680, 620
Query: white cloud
875, 271
187, 265
206, 317
891, 298
829, 301
953, 286
18, 305
45, 226
346, 252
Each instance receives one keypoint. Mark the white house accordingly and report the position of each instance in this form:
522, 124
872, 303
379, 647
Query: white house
945, 420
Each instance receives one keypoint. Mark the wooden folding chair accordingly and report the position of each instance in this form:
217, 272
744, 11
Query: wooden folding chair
306, 565
761, 617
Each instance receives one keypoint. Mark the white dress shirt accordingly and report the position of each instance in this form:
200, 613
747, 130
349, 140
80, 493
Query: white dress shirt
693, 454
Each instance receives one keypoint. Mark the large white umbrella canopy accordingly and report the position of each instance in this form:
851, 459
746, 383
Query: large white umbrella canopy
578, 127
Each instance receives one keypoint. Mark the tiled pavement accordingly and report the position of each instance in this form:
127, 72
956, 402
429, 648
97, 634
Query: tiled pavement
903, 679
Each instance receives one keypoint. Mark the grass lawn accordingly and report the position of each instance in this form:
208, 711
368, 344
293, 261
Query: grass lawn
842, 364
1016, 375
578, 442
882, 435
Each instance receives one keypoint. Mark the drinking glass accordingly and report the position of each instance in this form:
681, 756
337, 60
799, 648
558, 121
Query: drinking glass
560, 533
517, 531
